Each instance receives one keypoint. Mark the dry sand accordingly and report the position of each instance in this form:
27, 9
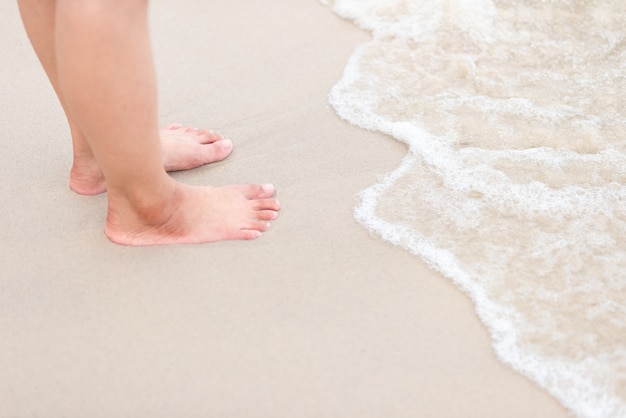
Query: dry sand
315, 319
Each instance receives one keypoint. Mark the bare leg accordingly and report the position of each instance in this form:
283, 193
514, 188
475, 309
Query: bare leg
183, 148
38, 17
106, 76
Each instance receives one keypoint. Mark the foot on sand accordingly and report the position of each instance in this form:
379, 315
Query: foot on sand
192, 214
183, 148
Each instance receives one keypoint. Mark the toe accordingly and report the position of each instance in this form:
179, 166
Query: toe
266, 215
248, 234
258, 191
216, 151
261, 226
266, 204
208, 137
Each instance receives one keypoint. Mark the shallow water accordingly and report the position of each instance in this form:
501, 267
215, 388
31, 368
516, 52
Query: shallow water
515, 182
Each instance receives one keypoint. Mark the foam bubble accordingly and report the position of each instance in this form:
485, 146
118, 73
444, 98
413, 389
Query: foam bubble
515, 182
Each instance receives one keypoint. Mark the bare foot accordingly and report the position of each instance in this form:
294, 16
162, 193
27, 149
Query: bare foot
183, 148
192, 214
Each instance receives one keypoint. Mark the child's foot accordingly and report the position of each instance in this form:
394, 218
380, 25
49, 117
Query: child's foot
191, 215
183, 148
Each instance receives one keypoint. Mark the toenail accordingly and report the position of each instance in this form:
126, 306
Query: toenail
226, 144
268, 187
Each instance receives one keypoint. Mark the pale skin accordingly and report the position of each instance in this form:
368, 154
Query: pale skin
97, 56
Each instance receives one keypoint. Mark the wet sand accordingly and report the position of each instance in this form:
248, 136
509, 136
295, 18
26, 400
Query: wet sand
315, 319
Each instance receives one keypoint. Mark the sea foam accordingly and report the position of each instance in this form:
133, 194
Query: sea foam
515, 182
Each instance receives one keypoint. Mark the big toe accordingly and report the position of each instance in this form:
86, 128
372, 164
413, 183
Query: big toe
257, 191
217, 151
208, 137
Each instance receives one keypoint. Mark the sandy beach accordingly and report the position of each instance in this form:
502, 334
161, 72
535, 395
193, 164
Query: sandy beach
316, 319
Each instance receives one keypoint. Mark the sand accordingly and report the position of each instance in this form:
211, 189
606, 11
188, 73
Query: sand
315, 319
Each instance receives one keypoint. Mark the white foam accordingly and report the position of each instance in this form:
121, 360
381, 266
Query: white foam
515, 182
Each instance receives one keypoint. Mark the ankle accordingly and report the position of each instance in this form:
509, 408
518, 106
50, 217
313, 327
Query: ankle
143, 206
86, 177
